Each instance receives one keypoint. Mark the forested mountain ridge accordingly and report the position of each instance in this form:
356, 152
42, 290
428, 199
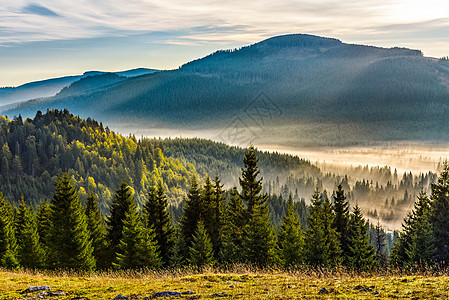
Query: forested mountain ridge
326, 93
34, 152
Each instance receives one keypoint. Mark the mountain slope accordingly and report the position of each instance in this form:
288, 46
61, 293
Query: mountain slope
295, 90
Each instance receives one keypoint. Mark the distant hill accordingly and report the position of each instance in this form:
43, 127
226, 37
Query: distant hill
293, 90
50, 87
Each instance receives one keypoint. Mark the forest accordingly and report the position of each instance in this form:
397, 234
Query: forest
155, 208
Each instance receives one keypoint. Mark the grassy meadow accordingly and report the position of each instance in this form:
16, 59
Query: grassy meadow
238, 283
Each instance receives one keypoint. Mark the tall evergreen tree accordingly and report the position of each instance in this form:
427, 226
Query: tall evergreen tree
291, 239
137, 247
341, 220
157, 217
193, 213
120, 205
97, 231
218, 216
379, 245
30, 251
259, 238
234, 220
8, 242
70, 244
316, 248
439, 216
201, 251
362, 253
330, 233
43, 215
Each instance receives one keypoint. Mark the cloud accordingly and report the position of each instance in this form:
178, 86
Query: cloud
38, 10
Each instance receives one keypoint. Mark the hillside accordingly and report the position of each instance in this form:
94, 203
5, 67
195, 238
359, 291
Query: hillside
294, 90
35, 151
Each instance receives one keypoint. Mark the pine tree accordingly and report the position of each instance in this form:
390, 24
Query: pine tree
201, 252
70, 245
218, 216
361, 251
439, 216
317, 250
157, 217
30, 251
193, 213
259, 237
97, 231
120, 205
331, 236
291, 239
8, 242
379, 245
137, 247
341, 220
44, 213
234, 220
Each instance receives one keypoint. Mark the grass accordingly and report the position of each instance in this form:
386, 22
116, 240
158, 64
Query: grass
238, 283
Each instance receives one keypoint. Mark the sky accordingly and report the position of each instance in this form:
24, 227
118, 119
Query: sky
53, 38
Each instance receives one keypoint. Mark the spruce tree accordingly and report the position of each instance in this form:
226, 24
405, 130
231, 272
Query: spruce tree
193, 213
69, 240
97, 231
30, 252
379, 245
201, 252
218, 216
439, 216
331, 236
234, 220
157, 217
8, 242
120, 205
362, 253
291, 239
341, 220
316, 248
259, 238
137, 247
44, 213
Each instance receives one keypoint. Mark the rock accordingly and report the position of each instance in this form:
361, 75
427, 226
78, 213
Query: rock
365, 289
38, 288
56, 294
120, 296
188, 292
166, 294
222, 294
376, 292
232, 286
323, 291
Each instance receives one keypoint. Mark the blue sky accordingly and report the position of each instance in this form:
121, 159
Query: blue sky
51, 38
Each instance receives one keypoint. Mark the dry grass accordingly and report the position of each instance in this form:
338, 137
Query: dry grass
239, 282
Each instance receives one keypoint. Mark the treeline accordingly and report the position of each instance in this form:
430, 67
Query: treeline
216, 227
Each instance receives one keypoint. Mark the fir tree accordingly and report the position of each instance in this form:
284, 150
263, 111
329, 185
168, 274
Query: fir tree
331, 236
317, 250
193, 213
234, 220
97, 231
157, 217
361, 251
218, 216
201, 252
137, 247
341, 220
120, 205
439, 216
291, 239
70, 244
8, 242
259, 238
30, 251
379, 245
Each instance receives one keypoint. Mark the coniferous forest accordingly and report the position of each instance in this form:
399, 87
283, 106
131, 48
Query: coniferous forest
76, 195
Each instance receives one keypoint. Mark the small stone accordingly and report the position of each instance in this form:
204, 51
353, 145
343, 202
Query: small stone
323, 291
376, 292
120, 296
166, 294
38, 288
231, 286
188, 292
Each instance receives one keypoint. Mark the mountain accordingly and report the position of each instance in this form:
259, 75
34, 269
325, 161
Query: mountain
292, 90
50, 87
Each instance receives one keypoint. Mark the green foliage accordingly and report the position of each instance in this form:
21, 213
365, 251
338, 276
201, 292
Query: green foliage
43, 216
201, 252
157, 217
137, 247
250, 184
119, 207
69, 238
341, 222
97, 230
30, 252
362, 253
8, 242
291, 238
